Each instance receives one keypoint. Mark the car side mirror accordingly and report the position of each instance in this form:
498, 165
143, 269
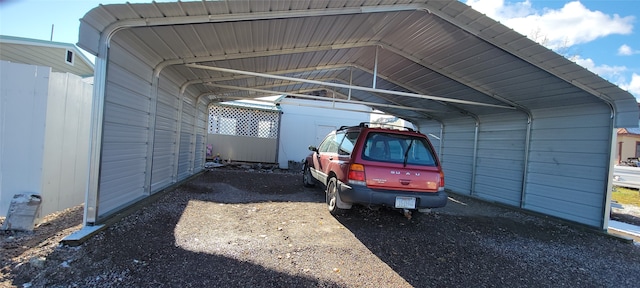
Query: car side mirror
313, 148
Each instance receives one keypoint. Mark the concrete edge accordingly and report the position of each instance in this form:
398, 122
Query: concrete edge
80, 236
628, 237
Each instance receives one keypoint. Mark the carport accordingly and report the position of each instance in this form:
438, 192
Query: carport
514, 122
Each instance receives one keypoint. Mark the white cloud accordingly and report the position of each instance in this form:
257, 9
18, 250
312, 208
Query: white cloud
613, 73
626, 50
555, 28
498, 10
634, 86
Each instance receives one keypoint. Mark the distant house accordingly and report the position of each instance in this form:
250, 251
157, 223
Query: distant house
628, 143
61, 57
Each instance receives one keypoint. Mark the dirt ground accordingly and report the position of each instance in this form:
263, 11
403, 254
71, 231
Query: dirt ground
238, 228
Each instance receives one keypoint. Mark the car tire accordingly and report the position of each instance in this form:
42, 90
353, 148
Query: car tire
332, 197
307, 178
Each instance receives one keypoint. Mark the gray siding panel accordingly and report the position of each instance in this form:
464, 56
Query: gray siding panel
242, 148
202, 120
185, 157
457, 154
500, 163
125, 132
184, 162
569, 161
165, 136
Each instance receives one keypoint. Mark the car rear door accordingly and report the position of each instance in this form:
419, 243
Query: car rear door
400, 162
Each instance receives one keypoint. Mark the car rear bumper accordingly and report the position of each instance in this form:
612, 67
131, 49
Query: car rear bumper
367, 196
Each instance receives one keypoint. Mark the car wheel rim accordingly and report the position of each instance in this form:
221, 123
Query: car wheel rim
331, 196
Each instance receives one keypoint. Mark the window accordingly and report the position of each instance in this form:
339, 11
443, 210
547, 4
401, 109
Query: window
69, 57
398, 149
346, 147
637, 149
325, 146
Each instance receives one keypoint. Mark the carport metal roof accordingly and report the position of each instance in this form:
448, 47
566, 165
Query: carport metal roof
414, 59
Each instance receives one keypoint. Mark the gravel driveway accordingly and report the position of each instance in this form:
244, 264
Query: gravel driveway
230, 228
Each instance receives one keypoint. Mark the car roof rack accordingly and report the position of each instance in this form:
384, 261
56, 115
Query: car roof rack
377, 125
385, 126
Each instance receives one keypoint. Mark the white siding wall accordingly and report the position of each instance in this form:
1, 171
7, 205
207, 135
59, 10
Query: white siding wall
66, 146
300, 124
44, 139
23, 107
568, 162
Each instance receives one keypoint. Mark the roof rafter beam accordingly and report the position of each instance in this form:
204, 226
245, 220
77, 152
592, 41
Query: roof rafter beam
398, 93
245, 55
192, 60
208, 81
394, 104
328, 68
373, 104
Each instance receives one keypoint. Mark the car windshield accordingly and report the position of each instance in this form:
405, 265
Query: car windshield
398, 148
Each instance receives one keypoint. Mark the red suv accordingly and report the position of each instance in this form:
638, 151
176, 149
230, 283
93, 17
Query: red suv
376, 167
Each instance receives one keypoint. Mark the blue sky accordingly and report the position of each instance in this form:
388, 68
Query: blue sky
600, 35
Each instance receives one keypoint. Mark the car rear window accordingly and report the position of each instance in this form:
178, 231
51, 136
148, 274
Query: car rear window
398, 148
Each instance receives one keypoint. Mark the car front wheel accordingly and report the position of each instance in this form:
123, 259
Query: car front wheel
307, 179
332, 197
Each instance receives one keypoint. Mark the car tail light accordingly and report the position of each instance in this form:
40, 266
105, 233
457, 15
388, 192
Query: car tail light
356, 174
441, 188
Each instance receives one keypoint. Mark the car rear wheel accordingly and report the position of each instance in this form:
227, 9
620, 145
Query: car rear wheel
332, 197
307, 179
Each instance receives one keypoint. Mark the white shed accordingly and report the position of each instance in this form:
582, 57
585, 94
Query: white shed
44, 136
